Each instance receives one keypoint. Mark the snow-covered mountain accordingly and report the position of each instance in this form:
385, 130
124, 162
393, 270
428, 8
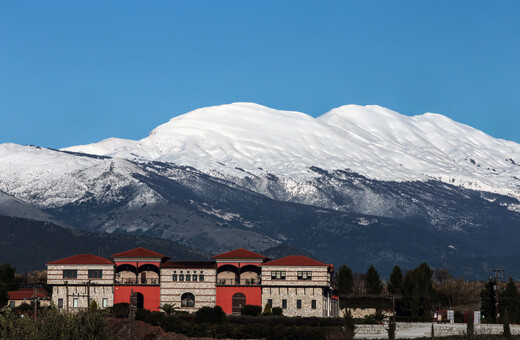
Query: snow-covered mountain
357, 185
243, 138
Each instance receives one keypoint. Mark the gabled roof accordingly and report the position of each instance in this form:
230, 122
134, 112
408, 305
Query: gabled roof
239, 253
27, 294
139, 252
82, 259
189, 264
295, 260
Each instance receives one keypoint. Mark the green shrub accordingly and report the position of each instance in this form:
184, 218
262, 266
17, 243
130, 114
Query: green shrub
277, 311
252, 310
121, 310
210, 315
267, 309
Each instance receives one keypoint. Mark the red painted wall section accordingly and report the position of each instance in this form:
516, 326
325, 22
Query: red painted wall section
151, 295
225, 296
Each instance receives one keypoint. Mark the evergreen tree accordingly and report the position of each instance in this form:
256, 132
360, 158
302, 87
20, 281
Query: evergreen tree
373, 282
345, 281
509, 301
8, 282
396, 281
507, 328
470, 327
417, 293
391, 328
487, 300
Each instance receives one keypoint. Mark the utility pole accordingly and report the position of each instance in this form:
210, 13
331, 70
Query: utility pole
495, 287
35, 301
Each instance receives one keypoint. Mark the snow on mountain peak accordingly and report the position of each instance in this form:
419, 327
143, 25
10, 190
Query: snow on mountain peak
241, 138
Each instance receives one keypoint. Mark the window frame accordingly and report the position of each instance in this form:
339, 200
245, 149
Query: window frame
304, 275
278, 274
70, 273
95, 273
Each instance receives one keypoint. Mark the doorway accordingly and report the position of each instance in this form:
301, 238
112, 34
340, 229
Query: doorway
239, 301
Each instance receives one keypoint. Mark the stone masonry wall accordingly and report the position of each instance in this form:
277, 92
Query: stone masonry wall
292, 294
204, 291
55, 274
80, 292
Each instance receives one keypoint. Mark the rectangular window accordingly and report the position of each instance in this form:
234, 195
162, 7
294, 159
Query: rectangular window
95, 274
304, 275
75, 303
313, 304
60, 303
194, 277
270, 302
70, 273
299, 304
284, 304
12, 304
278, 275
188, 277
181, 277
105, 302
201, 277
174, 277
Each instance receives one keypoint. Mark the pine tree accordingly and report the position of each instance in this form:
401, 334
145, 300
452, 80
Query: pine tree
373, 282
345, 281
396, 281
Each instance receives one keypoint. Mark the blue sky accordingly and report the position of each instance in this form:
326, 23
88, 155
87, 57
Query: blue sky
77, 72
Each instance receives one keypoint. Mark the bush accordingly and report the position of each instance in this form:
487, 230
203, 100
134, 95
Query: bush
252, 310
153, 318
277, 311
53, 325
210, 315
121, 310
267, 309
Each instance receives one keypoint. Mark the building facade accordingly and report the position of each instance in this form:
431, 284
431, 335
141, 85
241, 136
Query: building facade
299, 285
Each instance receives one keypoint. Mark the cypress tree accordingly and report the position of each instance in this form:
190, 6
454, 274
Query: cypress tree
418, 293
373, 282
507, 328
391, 328
509, 301
487, 300
345, 281
396, 281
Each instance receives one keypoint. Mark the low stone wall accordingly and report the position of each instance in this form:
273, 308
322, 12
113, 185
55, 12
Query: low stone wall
424, 330
380, 329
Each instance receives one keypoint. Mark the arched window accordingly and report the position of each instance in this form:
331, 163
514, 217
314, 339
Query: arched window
187, 300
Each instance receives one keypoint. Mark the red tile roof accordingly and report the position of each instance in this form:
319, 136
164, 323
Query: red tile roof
239, 253
295, 260
27, 294
82, 259
139, 252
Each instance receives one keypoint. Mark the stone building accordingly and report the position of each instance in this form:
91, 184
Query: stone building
188, 285
79, 279
300, 285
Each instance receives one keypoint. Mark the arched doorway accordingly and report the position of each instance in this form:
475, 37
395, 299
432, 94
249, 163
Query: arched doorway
187, 300
239, 301
140, 300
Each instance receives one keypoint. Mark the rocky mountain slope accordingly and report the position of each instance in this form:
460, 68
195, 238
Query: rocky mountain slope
358, 185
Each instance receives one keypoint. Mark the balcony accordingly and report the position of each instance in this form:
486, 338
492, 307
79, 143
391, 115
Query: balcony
142, 281
239, 282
